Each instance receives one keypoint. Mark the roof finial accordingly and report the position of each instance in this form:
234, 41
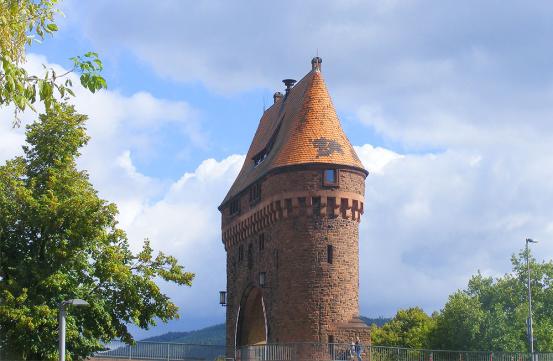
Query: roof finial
277, 96
316, 62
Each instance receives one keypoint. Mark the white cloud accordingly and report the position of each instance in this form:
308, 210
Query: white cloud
375, 158
473, 87
185, 222
431, 221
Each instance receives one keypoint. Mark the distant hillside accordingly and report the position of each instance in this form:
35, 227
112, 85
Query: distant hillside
215, 335
212, 335
380, 321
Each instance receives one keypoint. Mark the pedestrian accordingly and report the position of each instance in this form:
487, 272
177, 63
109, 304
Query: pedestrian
352, 351
358, 349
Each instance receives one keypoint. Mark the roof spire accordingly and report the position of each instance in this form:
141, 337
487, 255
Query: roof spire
316, 63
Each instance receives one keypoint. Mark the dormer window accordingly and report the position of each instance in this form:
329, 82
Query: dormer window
330, 177
235, 207
259, 157
262, 155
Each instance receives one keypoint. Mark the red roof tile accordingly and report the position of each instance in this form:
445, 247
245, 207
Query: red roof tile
301, 128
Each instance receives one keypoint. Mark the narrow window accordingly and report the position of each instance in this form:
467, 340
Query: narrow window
240, 253
250, 256
255, 193
316, 206
261, 242
330, 253
262, 279
330, 177
275, 255
235, 207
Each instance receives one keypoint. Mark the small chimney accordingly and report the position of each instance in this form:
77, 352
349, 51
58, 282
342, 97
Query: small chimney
289, 84
316, 63
277, 96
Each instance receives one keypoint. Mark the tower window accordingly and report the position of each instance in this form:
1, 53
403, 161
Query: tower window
262, 279
330, 253
330, 177
250, 256
235, 207
261, 242
275, 255
255, 193
260, 157
240, 253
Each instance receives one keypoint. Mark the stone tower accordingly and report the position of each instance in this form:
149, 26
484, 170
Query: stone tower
290, 225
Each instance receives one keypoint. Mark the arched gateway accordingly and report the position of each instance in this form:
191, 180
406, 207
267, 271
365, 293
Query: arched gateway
251, 328
290, 226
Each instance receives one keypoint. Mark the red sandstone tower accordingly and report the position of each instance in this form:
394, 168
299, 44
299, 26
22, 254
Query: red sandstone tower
290, 225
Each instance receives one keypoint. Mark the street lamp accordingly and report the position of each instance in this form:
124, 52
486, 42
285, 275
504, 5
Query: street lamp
530, 329
62, 309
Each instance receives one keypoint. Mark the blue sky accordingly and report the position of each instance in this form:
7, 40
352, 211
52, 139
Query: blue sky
448, 103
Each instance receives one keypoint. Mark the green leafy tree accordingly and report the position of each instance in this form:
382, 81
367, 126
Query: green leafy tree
59, 240
491, 313
458, 324
411, 327
23, 22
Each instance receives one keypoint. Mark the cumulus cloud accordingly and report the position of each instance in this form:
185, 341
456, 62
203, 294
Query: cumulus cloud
185, 222
425, 77
432, 220
464, 96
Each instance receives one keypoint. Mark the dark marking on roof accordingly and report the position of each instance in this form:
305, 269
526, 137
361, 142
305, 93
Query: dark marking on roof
326, 147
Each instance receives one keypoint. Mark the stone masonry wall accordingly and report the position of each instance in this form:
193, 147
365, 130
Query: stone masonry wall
307, 298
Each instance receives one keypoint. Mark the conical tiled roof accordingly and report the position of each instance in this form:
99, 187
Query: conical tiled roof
301, 128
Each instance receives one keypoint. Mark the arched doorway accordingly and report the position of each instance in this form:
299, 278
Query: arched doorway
251, 327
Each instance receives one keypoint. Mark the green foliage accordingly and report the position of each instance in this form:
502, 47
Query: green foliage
491, 313
409, 328
23, 22
458, 324
59, 240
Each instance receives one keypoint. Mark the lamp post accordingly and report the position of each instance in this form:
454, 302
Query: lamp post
530, 328
62, 310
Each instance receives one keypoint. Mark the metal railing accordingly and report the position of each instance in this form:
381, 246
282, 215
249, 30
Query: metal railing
143, 350
347, 352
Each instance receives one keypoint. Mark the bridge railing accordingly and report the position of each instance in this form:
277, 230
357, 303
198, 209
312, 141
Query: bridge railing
347, 352
145, 350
